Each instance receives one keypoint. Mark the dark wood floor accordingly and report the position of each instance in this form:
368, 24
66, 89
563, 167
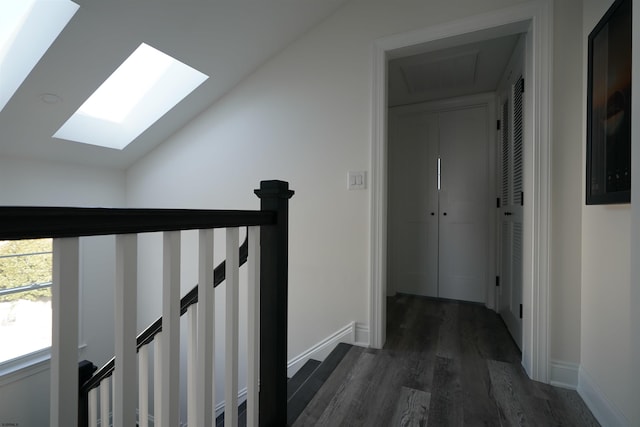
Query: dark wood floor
445, 364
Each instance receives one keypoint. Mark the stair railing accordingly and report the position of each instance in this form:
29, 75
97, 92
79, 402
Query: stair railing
267, 260
96, 387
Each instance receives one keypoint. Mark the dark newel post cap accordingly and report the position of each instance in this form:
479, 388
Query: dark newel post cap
86, 370
274, 189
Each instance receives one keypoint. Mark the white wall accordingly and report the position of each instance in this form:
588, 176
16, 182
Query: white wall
28, 182
304, 116
634, 300
566, 189
606, 375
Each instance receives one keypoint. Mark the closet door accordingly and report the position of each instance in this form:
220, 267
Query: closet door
412, 232
464, 204
511, 200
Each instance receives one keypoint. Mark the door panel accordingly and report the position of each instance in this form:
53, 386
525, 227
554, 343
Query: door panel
464, 198
412, 229
505, 262
510, 295
506, 223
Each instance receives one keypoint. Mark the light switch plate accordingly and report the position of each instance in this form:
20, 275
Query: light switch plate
357, 180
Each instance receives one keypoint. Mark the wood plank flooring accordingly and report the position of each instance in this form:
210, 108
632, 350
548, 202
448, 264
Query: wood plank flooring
445, 363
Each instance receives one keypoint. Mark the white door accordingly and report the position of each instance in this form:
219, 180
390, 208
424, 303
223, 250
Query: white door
464, 204
510, 213
438, 238
413, 203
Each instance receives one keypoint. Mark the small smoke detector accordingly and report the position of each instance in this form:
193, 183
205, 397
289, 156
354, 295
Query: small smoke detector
50, 98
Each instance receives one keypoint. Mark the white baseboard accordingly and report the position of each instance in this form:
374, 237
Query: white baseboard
602, 408
362, 335
353, 333
563, 374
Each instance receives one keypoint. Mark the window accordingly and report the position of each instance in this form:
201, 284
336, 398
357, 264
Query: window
140, 91
27, 29
25, 297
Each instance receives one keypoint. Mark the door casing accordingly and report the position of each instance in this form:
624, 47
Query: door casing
534, 19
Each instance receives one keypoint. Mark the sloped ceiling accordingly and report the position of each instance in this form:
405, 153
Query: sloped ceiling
225, 39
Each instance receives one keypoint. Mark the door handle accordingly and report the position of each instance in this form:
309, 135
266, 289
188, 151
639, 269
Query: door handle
433, 213
445, 214
508, 214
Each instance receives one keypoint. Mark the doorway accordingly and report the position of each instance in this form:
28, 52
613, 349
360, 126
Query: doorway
532, 18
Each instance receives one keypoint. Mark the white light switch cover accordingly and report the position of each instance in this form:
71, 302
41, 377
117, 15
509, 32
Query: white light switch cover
357, 180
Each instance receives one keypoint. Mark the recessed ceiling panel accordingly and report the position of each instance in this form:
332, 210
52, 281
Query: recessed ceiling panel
441, 73
455, 71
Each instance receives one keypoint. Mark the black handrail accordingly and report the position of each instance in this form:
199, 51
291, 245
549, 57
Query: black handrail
19, 223
147, 336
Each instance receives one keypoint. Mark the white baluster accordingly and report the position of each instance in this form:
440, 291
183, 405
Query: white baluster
64, 348
157, 379
231, 339
93, 407
105, 403
192, 362
113, 397
205, 394
125, 393
143, 384
171, 330
253, 325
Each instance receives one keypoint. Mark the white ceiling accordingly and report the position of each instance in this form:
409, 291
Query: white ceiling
455, 71
225, 39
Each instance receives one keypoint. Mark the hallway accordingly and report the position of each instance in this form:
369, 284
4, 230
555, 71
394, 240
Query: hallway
445, 363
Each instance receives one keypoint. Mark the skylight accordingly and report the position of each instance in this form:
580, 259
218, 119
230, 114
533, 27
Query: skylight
143, 88
27, 30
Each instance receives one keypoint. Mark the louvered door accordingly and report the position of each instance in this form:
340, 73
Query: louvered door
511, 201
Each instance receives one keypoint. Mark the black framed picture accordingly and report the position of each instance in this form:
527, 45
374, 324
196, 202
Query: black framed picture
609, 108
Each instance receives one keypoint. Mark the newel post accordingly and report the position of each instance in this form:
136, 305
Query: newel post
274, 197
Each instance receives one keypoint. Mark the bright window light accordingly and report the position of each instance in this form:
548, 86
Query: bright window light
27, 30
143, 88
117, 96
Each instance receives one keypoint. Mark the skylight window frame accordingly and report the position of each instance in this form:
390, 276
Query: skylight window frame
40, 24
101, 125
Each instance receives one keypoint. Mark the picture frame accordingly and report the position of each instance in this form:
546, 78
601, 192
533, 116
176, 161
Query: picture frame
609, 108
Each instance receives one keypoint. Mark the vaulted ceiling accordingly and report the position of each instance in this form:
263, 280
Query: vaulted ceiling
225, 39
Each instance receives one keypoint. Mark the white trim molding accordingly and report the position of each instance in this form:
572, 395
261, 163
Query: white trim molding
362, 335
563, 374
25, 366
533, 18
605, 411
353, 333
